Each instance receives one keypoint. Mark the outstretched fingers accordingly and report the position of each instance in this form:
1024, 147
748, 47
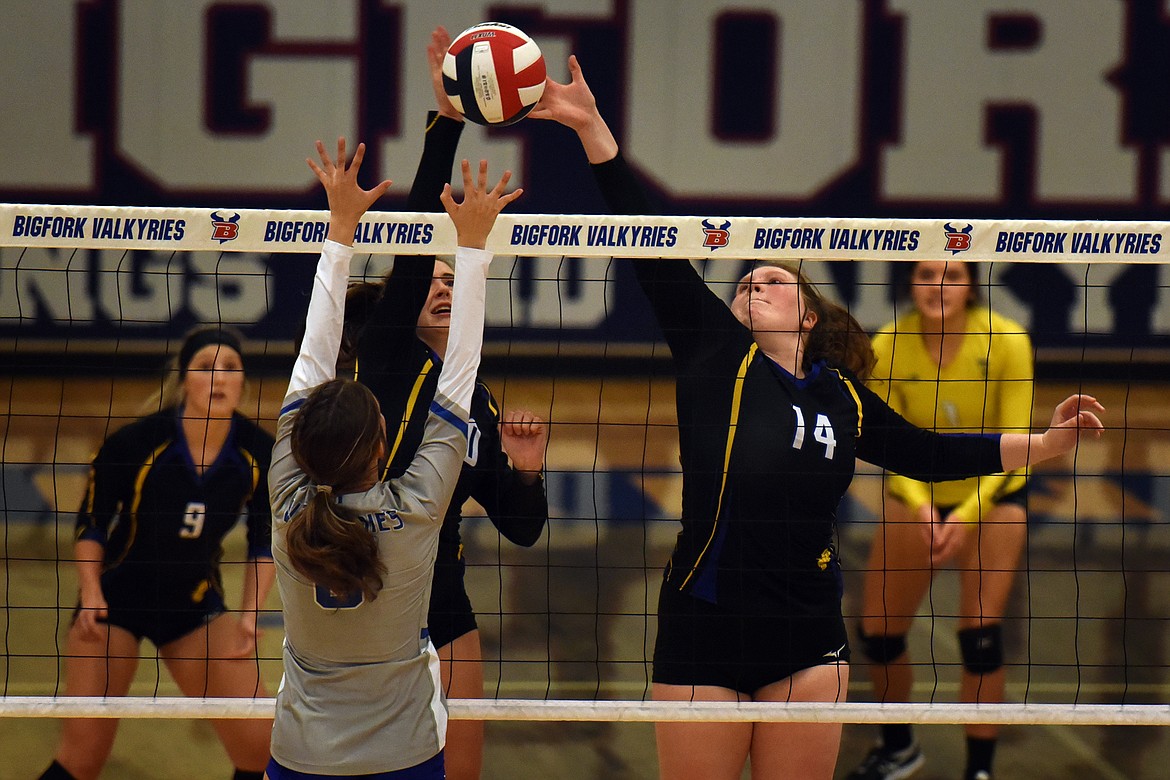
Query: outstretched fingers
326, 162
476, 215
502, 184
359, 155
483, 174
347, 200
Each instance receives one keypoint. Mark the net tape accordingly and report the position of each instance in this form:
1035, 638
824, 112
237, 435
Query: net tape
255, 230
625, 711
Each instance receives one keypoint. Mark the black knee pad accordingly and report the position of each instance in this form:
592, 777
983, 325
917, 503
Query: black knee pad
882, 649
982, 648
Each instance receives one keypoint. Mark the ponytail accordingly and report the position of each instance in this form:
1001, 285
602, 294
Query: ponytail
328, 544
336, 437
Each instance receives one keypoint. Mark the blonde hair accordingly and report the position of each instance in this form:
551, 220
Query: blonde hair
172, 393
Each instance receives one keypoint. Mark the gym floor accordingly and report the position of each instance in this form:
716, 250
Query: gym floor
572, 618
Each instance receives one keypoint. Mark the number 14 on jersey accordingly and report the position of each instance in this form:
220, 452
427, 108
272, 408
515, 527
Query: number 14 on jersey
822, 432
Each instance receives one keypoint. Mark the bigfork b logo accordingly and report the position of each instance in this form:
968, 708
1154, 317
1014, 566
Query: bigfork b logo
716, 237
957, 240
224, 229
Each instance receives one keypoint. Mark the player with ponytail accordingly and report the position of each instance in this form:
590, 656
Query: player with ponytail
325, 540
354, 554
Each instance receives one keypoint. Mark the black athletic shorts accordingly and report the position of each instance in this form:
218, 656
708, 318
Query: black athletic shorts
700, 643
161, 620
450, 615
1018, 497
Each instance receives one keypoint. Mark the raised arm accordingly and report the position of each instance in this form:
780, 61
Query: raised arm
392, 322
684, 306
574, 106
317, 361
430, 479
473, 219
444, 126
890, 441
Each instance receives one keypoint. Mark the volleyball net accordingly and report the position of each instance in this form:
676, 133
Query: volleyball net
92, 300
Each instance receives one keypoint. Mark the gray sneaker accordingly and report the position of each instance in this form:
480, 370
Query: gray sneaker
880, 765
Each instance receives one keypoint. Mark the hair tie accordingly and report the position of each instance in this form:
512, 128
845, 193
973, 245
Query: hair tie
326, 489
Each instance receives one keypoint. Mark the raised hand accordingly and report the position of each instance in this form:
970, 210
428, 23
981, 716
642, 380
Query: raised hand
476, 215
347, 200
574, 106
436, 51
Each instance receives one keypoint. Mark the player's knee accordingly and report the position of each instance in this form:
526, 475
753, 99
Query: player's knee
883, 649
982, 648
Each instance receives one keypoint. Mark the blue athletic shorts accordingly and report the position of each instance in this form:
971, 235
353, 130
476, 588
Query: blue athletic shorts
431, 769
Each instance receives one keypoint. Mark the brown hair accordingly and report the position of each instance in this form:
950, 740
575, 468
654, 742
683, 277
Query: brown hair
360, 300
335, 437
837, 338
904, 276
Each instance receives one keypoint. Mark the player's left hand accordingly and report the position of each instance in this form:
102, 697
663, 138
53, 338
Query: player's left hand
524, 437
1073, 418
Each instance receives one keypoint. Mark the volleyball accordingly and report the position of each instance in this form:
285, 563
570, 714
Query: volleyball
493, 73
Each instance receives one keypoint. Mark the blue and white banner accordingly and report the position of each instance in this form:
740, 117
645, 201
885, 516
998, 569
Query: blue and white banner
959, 113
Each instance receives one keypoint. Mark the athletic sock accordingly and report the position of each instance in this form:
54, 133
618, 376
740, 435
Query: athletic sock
56, 772
896, 736
980, 755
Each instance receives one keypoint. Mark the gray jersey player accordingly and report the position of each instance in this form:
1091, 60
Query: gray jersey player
354, 555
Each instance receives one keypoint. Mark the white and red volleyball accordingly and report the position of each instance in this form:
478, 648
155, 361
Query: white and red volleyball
493, 73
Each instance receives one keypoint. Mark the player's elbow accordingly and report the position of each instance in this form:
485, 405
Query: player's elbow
522, 533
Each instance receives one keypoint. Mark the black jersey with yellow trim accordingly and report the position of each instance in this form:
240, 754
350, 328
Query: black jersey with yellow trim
767, 456
402, 372
517, 509
160, 521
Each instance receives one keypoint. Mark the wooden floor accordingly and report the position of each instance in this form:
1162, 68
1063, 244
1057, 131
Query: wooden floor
573, 617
